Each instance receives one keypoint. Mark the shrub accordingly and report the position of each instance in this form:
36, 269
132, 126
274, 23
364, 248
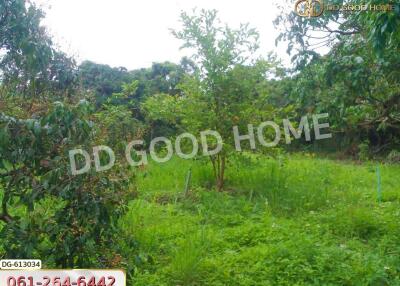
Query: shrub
35, 173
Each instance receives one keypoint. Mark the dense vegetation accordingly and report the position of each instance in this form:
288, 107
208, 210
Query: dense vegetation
288, 215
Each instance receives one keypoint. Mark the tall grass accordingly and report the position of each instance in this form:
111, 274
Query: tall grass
170, 177
288, 187
187, 257
294, 221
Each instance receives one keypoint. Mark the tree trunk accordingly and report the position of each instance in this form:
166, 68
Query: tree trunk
218, 164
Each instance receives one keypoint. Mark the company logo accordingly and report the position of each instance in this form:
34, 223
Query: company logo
315, 8
309, 8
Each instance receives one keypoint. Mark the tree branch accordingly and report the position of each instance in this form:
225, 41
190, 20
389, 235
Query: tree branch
341, 32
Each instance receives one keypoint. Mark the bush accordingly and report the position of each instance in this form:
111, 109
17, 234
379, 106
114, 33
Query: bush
35, 175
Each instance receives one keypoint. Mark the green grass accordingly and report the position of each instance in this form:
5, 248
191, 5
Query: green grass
295, 221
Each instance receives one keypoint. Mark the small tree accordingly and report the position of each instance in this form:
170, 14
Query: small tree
227, 89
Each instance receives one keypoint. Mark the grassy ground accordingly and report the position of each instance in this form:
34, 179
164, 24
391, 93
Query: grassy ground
294, 221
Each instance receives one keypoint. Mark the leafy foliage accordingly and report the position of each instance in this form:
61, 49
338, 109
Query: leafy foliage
47, 211
356, 82
29, 62
229, 88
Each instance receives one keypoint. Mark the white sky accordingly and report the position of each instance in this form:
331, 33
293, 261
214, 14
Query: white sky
134, 34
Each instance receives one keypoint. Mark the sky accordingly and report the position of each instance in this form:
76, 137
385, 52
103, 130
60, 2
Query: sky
134, 34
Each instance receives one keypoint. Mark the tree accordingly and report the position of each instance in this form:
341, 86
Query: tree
357, 81
116, 122
162, 78
227, 88
103, 80
45, 210
379, 29
30, 64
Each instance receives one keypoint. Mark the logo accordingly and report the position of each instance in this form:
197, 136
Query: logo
309, 8
315, 8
